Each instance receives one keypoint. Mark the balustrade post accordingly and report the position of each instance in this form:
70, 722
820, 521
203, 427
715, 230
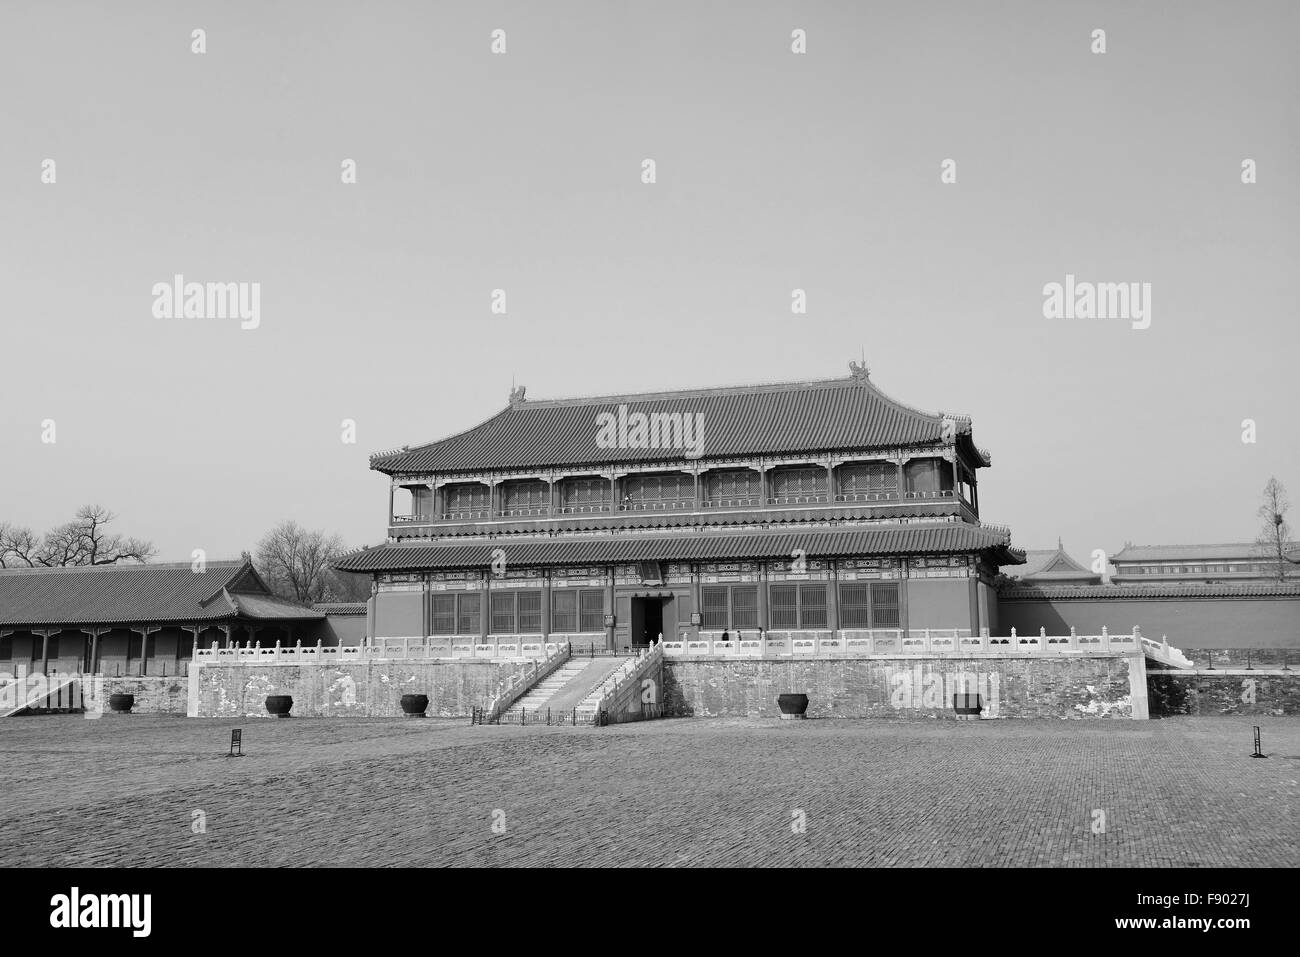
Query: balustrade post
1105, 639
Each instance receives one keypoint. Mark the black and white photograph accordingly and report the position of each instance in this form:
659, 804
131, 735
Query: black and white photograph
578, 435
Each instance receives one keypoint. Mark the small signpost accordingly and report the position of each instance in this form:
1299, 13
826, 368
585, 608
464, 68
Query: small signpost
1258, 753
236, 744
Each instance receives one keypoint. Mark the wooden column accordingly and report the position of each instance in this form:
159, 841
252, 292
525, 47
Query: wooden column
552, 487
610, 609
546, 604
439, 502
695, 596
699, 490
144, 650
484, 606
830, 482
225, 629
426, 608
832, 599
94, 649
45, 651
902, 596
389, 521
902, 486
762, 597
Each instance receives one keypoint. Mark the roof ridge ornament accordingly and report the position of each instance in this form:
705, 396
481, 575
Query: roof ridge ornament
859, 370
517, 396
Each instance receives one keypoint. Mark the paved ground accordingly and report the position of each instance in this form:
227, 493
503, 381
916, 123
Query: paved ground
121, 790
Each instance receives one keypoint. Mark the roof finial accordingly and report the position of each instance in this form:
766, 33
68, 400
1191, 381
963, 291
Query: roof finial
859, 370
1058, 543
516, 394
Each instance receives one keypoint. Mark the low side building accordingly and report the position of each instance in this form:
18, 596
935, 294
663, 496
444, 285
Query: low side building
1191, 564
1051, 566
139, 619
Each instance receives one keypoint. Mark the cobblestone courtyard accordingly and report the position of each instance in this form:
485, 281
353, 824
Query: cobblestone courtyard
121, 790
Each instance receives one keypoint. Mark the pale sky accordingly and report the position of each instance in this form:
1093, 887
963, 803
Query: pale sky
522, 171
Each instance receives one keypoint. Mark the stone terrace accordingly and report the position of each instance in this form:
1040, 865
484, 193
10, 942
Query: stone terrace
120, 790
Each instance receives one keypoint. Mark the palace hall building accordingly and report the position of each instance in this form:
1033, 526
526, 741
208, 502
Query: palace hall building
815, 506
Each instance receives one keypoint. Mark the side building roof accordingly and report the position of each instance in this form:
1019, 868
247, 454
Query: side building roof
108, 594
823, 415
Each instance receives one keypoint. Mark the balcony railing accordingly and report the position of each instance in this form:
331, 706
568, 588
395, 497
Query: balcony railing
683, 505
817, 498
669, 506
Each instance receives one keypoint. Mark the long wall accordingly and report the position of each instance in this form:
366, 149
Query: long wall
352, 689
1111, 686
1188, 622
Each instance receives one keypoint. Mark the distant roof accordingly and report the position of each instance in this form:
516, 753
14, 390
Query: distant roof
1142, 592
951, 537
1053, 565
1187, 553
820, 415
109, 594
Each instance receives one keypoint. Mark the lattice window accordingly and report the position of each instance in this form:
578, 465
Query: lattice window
792, 482
443, 619
784, 606
884, 605
466, 498
922, 475
744, 483
593, 610
592, 491
855, 605
564, 611
468, 609
812, 606
525, 494
658, 488
530, 612
503, 613
713, 611
744, 606
874, 477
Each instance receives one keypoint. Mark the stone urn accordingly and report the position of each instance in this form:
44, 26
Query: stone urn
792, 705
414, 705
966, 705
278, 705
121, 703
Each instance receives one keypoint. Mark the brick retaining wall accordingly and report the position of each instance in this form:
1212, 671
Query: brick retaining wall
1203, 692
1028, 687
351, 689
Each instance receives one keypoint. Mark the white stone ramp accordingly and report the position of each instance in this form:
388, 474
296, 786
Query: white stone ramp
1165, 654
567, 685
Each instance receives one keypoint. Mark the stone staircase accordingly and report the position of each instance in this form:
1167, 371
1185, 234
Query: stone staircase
1164, 653
566, 687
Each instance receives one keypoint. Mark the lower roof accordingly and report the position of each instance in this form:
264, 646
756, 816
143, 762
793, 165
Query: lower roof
946, 538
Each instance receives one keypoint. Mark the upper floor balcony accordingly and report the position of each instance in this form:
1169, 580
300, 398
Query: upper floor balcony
889, 487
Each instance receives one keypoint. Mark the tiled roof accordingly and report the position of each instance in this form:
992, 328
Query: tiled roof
1188, 553
1053, 564
341, 608
684, 519
1143, 592
267, 606
818, 416
107, 594
884, 540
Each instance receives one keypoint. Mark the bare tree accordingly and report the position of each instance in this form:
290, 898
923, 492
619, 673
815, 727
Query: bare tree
83, 541
295, 563
19, 547
1275, 534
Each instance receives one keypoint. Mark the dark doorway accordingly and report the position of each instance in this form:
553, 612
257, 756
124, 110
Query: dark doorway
647, 620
